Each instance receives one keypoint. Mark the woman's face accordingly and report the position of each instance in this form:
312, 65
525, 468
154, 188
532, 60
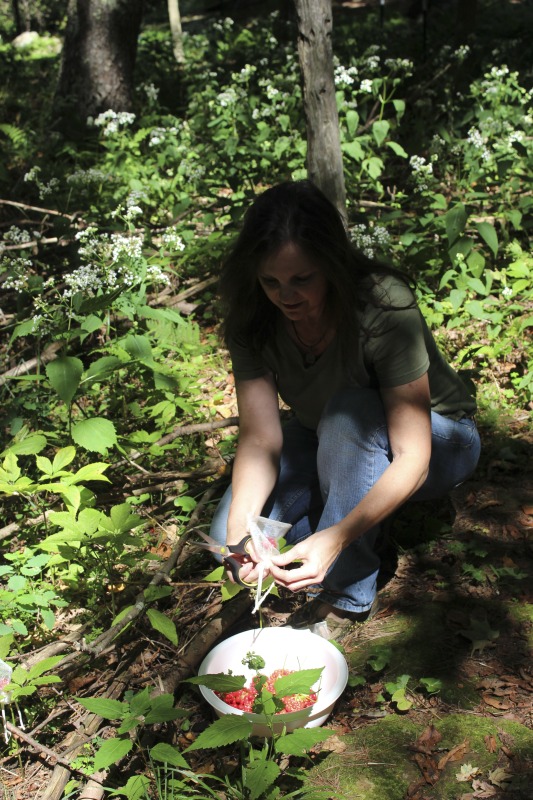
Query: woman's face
294, 284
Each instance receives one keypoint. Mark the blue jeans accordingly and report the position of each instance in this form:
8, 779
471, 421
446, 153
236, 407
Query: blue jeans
323, 475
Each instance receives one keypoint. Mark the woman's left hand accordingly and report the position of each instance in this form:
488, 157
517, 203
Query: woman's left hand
316, 554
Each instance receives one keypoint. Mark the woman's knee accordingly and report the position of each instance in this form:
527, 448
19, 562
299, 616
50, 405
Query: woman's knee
354, 413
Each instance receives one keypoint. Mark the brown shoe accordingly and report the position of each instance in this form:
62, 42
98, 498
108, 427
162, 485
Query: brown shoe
338, 621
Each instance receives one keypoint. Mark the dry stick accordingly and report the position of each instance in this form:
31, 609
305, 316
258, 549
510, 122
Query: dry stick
74, 743
101, 642
34, 744
21, 369
184, 430
40, 210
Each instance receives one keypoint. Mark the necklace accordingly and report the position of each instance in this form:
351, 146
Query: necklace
309, 357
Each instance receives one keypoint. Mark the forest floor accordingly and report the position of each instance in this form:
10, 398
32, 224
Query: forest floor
456, 606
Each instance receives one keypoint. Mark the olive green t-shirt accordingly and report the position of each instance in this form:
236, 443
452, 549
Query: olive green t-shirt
395, 347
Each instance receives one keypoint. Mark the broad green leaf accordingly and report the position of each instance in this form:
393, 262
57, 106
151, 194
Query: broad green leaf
162, 709
137, 788
300, 741
29, 446
398, 149
186, 503
156, 593
5, 644
96, 434
163, 624
138, 346
111, 752
353, 150
91, 323
48, 617
399, 106
168, 314
463, 245
352, 122
229, 590
64, 375
122, 517
46, 680
168, 755
23, 329
91, 472
374, 166
380, 130
216, 575
103, 367
120, 615
226, 730
489, 235
19, 627
455, 220
456, 298
43, 666
63, 458
104, 706
219, 682
260, 776
476, 263
431, 685
44, 465
299, 682
140, 702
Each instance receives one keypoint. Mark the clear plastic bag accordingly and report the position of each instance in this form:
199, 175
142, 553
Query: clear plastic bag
265, 534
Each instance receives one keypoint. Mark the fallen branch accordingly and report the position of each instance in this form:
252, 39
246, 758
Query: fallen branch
22, 369
51, 211
99, 644
184, 430
74, 743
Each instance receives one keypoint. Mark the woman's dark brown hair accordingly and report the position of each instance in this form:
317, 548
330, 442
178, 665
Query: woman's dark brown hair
294, 212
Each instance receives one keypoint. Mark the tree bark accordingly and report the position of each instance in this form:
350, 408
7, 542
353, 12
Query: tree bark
324, 155
176, 31
98, 58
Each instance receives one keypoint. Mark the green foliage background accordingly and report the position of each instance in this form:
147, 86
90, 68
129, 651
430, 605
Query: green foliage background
99, 234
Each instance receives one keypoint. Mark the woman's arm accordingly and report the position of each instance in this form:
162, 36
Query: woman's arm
407, 410
255, 469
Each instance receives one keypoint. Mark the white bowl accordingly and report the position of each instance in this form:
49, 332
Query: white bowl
281, 648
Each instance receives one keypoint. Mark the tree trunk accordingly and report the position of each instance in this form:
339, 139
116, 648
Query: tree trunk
174, 17
17, 17
324, 156
98, 58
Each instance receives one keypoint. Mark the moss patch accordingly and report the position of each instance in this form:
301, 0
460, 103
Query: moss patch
420, 645
378, 763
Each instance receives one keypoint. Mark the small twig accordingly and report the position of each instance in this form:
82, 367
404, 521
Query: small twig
35, 745
52, 211
183, 430
22, 369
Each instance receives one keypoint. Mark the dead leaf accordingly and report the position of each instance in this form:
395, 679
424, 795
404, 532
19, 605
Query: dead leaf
457, 753
427, 741
512, 531
428, 767
334, 744
467, 773
528, 509
499, 777
490, 743
495, 702
483, 790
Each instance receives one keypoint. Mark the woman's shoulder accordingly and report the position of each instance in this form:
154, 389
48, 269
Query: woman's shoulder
390, 290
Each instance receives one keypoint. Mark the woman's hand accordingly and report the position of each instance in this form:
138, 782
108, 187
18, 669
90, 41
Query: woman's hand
316, 554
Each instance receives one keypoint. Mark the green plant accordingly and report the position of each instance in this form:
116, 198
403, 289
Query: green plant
259, 766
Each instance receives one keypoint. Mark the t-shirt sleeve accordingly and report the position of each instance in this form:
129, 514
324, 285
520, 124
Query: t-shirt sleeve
246, 365
395, 349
